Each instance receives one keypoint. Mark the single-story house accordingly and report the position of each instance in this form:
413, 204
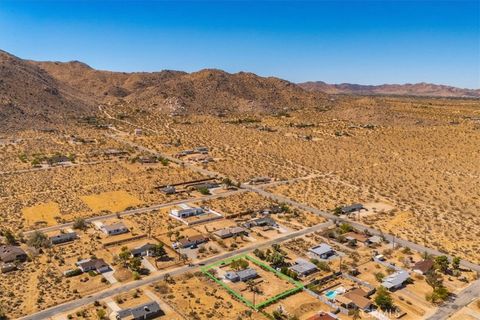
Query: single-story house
303, 267
395, 280
201, 149
149, 310
230, 232
189, 242
10, 253
242, 275
168, 190
374, 240
63, 237
358, 300
352, 208
147, 250
260, 222
185, 213
98, 265
322, 251
323, 316
114, 229
422, 267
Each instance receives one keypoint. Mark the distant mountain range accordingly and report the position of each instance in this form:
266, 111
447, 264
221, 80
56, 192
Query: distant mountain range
44, 94
417, 89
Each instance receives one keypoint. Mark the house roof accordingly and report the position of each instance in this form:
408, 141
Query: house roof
375, 239
95, 263
246, 273
195, 238
7, 252
358, 300
323, 316
302, 266
395, 279
359, 292
114, 226
423, 266
321, 249
143, 248
229, 231
64, 236
140, 311
353, 207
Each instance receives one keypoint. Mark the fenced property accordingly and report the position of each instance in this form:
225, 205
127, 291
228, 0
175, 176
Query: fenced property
297, 285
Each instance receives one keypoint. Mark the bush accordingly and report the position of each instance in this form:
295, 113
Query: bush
73, 273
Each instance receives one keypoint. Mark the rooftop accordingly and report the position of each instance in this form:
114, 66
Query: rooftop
321, 249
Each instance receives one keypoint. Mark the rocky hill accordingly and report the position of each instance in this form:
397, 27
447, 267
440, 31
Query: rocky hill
31, 98
418, 89
205, 91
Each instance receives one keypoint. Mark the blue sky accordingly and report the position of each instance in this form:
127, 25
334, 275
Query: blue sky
366, 42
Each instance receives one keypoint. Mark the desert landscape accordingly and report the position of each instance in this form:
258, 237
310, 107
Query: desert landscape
217, 195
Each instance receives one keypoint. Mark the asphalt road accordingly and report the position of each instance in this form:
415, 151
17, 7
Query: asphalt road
121, 288
461, 300
356, 225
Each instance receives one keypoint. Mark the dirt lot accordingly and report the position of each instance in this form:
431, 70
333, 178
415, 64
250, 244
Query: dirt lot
198, 298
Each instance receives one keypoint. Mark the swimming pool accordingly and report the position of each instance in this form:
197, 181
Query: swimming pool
331, 294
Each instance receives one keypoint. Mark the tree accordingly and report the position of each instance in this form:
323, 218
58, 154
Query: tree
101, 314
456, 263
355, 314
159, 250
135, 264
439, 294
239, 264
383, 299
80, 224
379, 276
38, 240
433, 279
442, 263
125, 256
345, 227
9, 237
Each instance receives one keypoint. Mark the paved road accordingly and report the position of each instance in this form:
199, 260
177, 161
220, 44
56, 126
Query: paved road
141, 210
121, 288
356, 225
463, 298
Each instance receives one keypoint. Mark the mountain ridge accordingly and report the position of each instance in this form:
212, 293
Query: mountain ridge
413, 89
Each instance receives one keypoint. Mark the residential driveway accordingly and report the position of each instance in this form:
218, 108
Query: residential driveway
148, 265
97, 224
112, 305
109, 276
